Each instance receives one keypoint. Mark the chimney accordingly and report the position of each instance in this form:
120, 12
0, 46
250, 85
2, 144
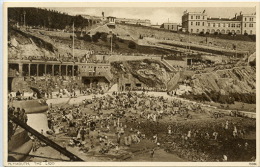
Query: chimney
236, 16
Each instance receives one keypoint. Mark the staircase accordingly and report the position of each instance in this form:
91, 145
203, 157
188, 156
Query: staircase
168, 65
45, 139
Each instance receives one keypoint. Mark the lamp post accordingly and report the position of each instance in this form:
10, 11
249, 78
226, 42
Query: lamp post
24, 13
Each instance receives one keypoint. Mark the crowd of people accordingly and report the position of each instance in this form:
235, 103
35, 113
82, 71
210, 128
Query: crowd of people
123, 119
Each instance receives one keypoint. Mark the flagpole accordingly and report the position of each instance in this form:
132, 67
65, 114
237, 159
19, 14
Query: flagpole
111, 42
73, 41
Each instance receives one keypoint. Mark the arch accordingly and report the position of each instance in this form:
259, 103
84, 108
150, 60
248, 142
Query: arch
233, 31
218, 30
208, 30
223, 31
212, 31
203, 30
251, 32
238, 32
228, 31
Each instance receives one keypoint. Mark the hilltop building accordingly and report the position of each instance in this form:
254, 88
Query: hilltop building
198, 22
170, 26
144, 22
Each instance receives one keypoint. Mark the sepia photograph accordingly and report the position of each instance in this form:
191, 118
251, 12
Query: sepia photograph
131, 82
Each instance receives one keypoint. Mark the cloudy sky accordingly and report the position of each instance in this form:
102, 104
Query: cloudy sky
156, 15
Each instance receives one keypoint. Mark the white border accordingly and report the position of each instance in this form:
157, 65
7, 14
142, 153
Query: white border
128, 4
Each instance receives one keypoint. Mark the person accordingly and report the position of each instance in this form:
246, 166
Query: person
34, 144
225, 158
152, 153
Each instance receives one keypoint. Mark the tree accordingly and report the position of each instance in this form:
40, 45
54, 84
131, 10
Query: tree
131, 45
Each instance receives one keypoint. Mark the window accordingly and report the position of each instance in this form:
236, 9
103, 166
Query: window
203, 23
168, 27
245, 19
251, 32
251, 25
224, 25
191, 30
198, 30
198, 23
218, 24
209, 24
245, 24
191, 23
198, 17
213, 24
203, 17
172, 26
191, 17
238, 25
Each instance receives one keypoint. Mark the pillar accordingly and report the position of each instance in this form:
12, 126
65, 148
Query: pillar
72, 70
66, 70
37, 70
52, 70
60, 70
90, 85
20, 69
29, 69
45, 69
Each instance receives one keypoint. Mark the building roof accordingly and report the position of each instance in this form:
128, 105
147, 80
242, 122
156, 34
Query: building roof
224, 19
170, 23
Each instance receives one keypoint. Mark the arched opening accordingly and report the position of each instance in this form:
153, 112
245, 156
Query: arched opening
228, 31
222, 31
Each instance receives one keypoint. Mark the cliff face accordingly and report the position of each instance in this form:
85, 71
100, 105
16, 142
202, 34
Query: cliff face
150, 72
23, 45
237, 80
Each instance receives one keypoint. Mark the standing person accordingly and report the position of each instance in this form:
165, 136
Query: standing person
152, 153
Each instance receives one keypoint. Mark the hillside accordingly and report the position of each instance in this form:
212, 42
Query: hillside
136, 31
150, 72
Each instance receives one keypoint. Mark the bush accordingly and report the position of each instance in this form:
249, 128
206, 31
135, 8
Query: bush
207, 33
87, 38
95, 38
131, 45
116, 46
104, 37
120, 40
215, 33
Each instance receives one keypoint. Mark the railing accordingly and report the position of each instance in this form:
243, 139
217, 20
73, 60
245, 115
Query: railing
45, 139
168, 65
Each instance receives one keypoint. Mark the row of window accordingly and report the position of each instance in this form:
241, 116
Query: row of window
197, 17
222, 24
197, 23
93, 67
222, 31
250, 25
250, 19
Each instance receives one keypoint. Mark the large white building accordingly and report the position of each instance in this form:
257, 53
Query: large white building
198, 22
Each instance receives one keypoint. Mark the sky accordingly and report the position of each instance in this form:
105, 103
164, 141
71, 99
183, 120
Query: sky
156, 15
